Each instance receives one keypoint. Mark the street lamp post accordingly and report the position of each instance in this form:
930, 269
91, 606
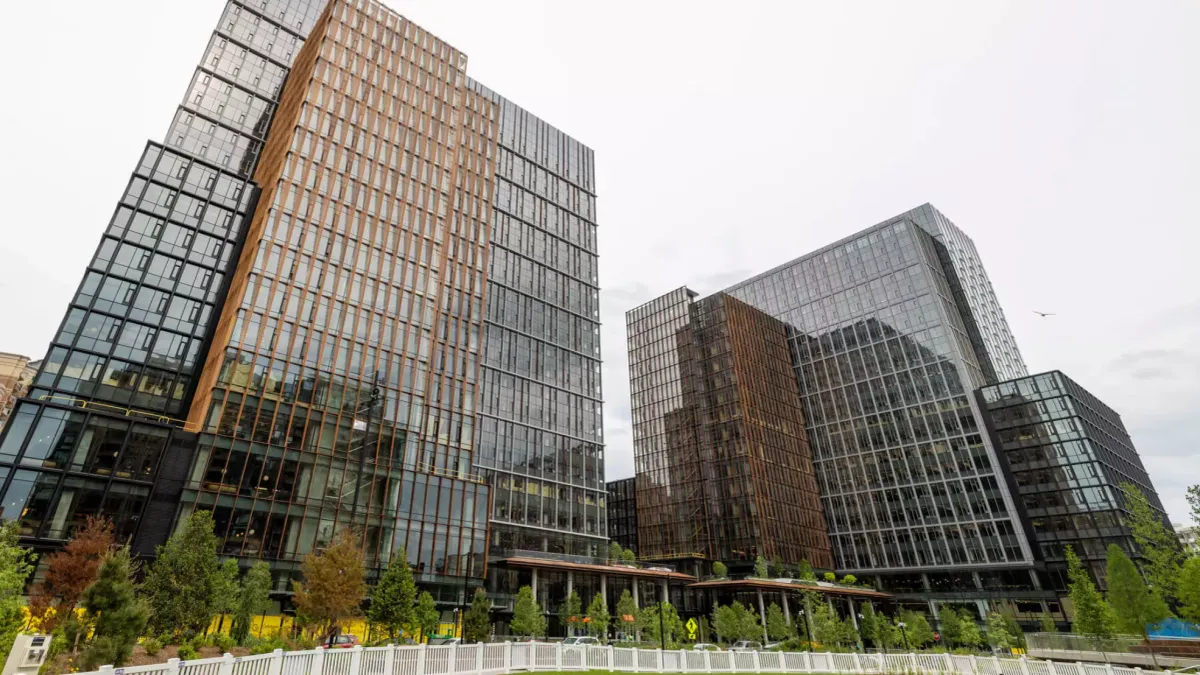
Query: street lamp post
904, 634
807, 629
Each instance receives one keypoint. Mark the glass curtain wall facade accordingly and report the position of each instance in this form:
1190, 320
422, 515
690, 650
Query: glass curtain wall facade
100, 429
724, 469
888, 348
1069, 454
340, 388
622, 513
540, 436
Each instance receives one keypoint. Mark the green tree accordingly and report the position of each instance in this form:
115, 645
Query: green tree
749, 624
570, 614
69, 572
826, 628
869, 625
1014, 629
849, 580
648, 621
477, 625
998, 632
777, 626
225, 590
806, 572
394, 596
426, 616
777, 569
15, 565
1193, 498
1158, 545
970, 636
598, 617
735, 622
830, 577
116, 615
719, 570
179, 583
760, 567
1048, 624
916, 627
1093, 616
627, 613
528, 620
628, 556
889, 632
1136, 607
253, 598
1189, 590
951, 626
614, 551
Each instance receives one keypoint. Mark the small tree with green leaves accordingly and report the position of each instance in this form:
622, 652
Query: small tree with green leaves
951, 626
570, 614
760, 567
649, 622
528, 620
628, 556
1159, 546
1193, 499
970, 636
598, 617
720, 571
426, 616
180, 582
225, 590
830, 577
394, 597
1048, 624
627, 613
724, 623
916, 627
1136, 607
998, 633
806, 572
869, 625
477, 624
614, 551
116, 615
15, 565
253, 598
826, 628
749, 624
1189, 590
849, 580
777, 626
777, 569
1093, 616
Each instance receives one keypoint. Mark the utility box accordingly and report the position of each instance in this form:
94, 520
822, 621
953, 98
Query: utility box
28, 654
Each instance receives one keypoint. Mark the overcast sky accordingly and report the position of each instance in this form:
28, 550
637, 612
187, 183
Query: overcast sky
1064, 137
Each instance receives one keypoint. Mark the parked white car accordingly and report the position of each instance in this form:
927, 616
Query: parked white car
581, 641
746, 646
705, 647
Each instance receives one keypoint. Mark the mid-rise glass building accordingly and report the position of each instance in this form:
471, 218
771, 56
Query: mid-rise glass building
1070, 457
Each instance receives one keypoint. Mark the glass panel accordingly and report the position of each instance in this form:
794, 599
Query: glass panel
53, 438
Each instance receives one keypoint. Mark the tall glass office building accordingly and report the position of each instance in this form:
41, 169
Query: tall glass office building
896, 326
285, 320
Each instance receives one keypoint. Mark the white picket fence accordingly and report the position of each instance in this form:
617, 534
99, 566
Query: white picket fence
510, 657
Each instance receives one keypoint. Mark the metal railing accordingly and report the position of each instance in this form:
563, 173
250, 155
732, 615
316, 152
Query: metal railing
510, 657
1082, 643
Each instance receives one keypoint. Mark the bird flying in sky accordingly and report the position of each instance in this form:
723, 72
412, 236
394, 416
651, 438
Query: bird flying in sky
1043, 314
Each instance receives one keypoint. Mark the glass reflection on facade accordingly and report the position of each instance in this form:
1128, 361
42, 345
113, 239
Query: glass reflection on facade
724, 469
134, 337
1069, 454
622, 513
540, 433
888, 349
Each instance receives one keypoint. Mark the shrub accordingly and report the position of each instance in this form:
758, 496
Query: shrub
151, 645
267, 645
830, 577
187, 652
224, 642
849, 580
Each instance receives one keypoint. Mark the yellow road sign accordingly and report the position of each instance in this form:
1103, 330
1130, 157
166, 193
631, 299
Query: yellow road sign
691, 628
